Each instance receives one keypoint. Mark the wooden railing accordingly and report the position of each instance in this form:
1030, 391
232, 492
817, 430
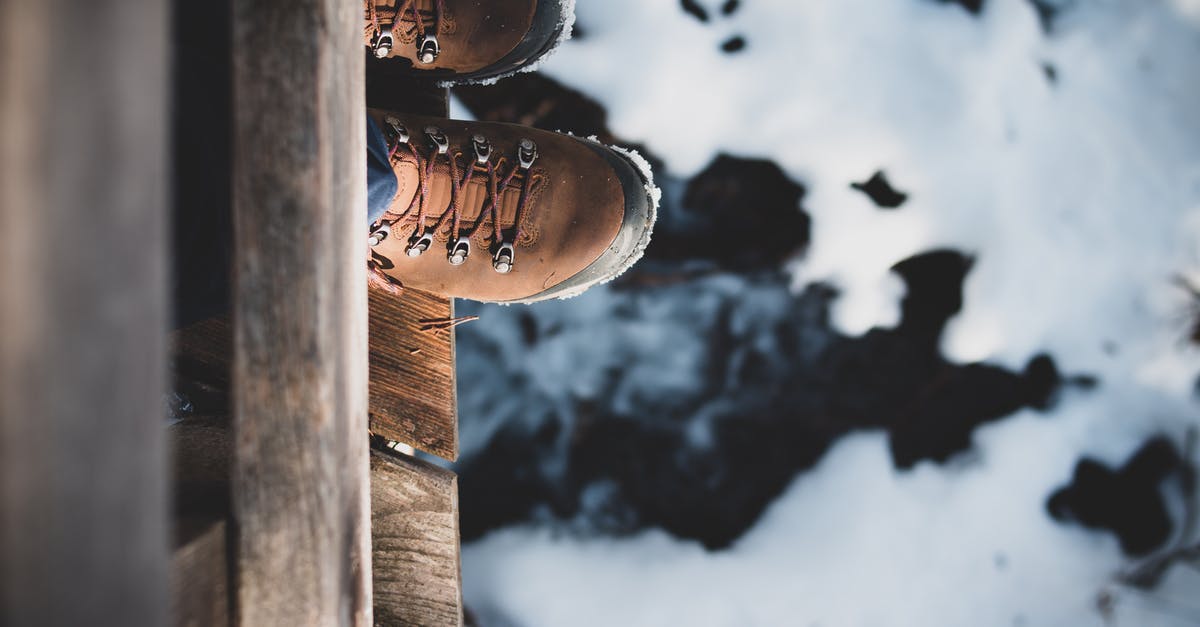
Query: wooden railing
271, 509
84, 174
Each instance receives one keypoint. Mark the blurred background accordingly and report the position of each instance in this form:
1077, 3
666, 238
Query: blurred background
915, 342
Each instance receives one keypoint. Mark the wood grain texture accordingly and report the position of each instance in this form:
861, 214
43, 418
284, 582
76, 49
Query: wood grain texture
200, 574
412, 381
413, 392
201, 456
83, 312
200, 567
201, 368
414, 522
300, 491
203, 352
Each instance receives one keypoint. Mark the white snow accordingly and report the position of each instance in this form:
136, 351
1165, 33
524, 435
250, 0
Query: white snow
851, 543
925, 547
1080, 201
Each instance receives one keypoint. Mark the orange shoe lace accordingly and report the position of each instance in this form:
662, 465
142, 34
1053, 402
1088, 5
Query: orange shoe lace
384, 39
418, 211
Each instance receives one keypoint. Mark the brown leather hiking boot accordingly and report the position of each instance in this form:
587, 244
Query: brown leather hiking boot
504, 213
464, 40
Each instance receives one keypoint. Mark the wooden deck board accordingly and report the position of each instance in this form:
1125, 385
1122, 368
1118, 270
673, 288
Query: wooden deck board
414, 529
413, 396
203, 352
200, 574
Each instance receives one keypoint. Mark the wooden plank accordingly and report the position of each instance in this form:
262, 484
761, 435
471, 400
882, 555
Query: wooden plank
416, 544
412, 381
203, 351
413, 392
201, 457
83, 312
414, 520
201, 454
200, 574
301, 497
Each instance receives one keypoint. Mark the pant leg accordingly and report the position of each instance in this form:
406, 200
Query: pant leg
381, 179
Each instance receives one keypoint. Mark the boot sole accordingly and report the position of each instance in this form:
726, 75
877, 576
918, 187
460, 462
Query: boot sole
641, 211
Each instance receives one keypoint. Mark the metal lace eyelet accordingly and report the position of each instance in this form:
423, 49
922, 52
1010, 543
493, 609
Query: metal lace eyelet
379, 234
460, 250
382, 44
527, 153
396, 129
483, 149
419, 244
504, 258
428, 48
439, 139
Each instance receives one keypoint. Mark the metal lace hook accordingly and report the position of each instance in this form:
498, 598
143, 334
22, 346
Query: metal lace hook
504, 258
439, 139
382, 43
379, 234
419, 244
483, 149
527, 153
459, 251
397, 130
428, 48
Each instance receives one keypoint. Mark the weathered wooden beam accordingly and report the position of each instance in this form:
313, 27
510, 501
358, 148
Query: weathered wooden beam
300, 476
414, 397
412, 381
83, 312
200, 574
414, 522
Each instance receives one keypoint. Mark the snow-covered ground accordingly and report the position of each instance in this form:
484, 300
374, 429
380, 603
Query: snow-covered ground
1065, 161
